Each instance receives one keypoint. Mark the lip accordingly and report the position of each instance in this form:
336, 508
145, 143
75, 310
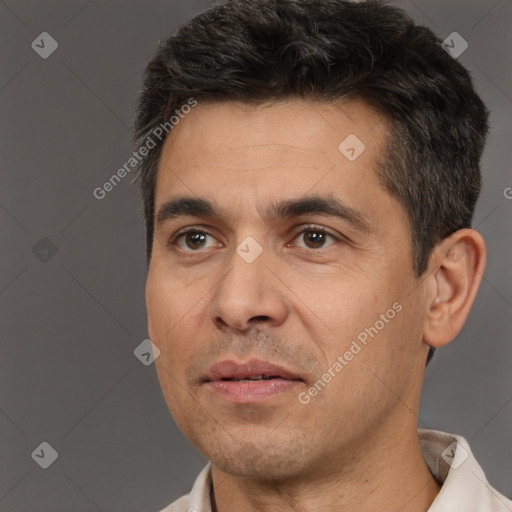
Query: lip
234, 391
230, 369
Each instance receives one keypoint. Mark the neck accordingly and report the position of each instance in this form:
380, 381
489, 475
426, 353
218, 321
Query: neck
382, 473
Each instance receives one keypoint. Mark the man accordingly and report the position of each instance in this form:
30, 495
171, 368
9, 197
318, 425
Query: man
310, 172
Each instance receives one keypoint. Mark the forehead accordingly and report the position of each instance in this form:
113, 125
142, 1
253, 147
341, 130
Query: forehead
305, 130
243, 154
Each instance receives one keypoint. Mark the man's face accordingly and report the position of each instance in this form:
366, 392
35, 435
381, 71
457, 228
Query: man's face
292, 286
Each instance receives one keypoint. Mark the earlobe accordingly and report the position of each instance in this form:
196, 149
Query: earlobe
457, 265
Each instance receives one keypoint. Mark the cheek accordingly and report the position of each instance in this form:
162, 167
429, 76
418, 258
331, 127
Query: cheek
392, 347
367, 315
340, 305
169, 307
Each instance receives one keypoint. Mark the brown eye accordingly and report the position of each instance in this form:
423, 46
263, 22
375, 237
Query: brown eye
314, 238
193, 240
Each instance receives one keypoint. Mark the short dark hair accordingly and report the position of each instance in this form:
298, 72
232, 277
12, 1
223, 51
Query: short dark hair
256, 51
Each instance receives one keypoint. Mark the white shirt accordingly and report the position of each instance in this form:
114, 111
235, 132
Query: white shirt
449, 458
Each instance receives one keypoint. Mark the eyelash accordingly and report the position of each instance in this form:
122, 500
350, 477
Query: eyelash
303, 229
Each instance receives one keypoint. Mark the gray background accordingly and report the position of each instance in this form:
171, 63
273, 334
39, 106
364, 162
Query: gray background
71, 320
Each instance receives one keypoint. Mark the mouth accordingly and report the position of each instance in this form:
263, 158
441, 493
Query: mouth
250, 382
254, 369
253, 378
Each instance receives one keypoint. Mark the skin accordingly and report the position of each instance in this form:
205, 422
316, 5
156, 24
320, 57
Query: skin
354, 445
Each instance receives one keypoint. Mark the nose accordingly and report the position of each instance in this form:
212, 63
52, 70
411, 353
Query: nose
248, 294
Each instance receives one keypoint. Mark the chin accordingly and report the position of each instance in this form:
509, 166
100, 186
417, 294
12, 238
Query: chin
264, 463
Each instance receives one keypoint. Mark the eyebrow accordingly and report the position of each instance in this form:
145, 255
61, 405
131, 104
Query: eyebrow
320, 205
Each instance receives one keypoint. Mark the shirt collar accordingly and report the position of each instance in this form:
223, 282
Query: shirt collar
464, 486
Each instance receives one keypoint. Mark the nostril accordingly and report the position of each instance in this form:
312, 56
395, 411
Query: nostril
260, 318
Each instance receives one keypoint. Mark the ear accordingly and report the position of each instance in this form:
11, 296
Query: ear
456, 268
